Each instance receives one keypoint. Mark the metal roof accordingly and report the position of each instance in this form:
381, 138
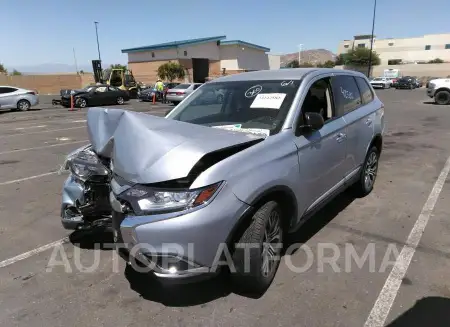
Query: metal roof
282, 74
175, 44
239, 42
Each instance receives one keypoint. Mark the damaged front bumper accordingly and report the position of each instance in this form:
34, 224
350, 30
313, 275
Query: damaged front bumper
180, 245
84, 205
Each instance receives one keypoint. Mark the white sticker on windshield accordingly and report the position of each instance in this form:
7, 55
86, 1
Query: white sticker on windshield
268, 100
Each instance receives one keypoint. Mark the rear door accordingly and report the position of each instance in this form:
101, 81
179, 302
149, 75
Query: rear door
8, 97
359, 115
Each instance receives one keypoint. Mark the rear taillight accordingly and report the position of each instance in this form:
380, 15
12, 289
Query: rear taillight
179, 93
32, 92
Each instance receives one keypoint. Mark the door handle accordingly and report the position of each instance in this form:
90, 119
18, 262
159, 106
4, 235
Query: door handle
341, 137
368, 122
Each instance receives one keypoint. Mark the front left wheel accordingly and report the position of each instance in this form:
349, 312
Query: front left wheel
442, 97
23, 105
257, 254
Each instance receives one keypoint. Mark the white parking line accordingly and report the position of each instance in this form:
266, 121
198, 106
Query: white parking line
40, 126
40, 132
28, 254
27, 178
43, 147
383, 304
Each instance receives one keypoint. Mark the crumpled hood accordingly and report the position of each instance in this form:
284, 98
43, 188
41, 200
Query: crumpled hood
150, 149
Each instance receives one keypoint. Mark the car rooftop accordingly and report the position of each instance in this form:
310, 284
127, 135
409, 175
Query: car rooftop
285, 73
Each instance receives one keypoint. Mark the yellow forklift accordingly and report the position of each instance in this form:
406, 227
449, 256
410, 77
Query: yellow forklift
118, 77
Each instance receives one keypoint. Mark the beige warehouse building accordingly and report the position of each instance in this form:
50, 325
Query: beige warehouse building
202, 58
408, 50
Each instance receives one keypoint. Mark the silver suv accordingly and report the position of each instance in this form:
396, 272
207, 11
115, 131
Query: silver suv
227, 181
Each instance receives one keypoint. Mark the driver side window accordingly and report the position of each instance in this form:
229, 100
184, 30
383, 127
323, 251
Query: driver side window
318, 100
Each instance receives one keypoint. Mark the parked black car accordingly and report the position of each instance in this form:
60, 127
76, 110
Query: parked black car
96, 95
406, 82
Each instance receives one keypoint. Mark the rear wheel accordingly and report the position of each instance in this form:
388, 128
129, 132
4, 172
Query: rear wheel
442, 97
120, 100
364, 185
23, 105
257, 254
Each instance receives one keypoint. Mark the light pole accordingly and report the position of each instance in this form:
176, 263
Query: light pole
98, 45
371, 37
300, 53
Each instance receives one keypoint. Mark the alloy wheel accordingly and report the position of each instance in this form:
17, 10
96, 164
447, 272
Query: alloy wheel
271, 244
120, 100
24, 105
81, 103
370, 171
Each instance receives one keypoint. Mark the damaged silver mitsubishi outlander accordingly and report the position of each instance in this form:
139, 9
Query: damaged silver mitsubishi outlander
240, 163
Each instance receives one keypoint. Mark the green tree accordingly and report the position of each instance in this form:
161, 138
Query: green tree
327, 64
3, 69
118, 66
306, 65
436, 61
339, 60
360, 57
171, 71
293, 64
16, 73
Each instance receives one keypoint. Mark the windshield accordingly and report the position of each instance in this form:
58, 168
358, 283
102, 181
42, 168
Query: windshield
88, 88
182, 86
378, 79
253, 106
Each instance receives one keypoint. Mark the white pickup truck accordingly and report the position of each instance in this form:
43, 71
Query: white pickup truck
439, 89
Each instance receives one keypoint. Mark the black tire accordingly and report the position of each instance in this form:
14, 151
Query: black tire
81, 103
249, 276
363, 187
175, 103
120, 100
23, 105
442, 97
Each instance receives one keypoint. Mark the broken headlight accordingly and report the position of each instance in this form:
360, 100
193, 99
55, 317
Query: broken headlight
144, 199
84, 163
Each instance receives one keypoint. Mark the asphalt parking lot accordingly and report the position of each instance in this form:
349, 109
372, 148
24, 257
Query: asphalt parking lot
407, 284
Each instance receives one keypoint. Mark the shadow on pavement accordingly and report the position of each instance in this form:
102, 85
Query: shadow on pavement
94, 239
319, 220
429, 102
177, 295
6, 111
427, 312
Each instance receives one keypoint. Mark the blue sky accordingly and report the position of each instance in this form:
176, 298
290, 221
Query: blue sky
45, 31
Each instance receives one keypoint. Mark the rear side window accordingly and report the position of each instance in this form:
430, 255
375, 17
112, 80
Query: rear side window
345, 93
364, 88
7, 90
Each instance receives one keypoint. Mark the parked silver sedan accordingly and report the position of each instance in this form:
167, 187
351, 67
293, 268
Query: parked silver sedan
381, 82
15, 98
181, 91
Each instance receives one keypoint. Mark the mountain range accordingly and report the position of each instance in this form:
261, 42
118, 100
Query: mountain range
313, 56
50, 68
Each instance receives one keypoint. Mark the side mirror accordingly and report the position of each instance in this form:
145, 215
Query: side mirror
313, 122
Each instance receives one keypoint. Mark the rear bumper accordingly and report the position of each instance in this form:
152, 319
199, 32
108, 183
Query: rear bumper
175, 98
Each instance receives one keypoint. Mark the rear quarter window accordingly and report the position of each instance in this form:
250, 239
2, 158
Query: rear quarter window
4, 90
345, 93
367, 95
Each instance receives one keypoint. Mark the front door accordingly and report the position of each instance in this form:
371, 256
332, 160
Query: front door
8, 97
321, 153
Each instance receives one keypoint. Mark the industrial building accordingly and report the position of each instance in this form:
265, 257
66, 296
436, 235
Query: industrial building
405, 50
202, 58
